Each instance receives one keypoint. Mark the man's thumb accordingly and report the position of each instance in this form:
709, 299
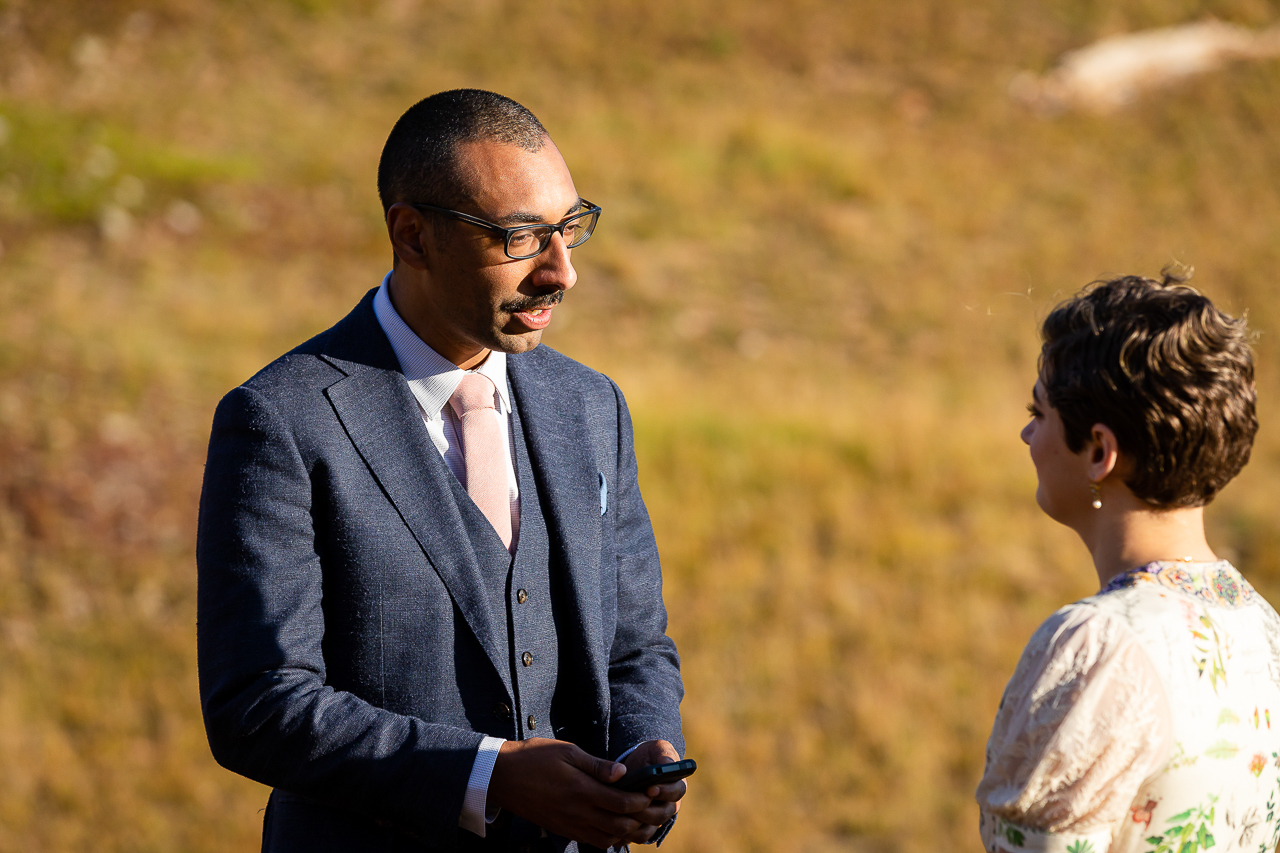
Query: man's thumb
602, 769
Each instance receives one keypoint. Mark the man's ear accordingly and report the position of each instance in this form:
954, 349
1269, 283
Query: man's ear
1102, 453
409, 232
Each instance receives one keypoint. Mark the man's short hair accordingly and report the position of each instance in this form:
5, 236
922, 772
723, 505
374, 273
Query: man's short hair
418, 162
1168, 372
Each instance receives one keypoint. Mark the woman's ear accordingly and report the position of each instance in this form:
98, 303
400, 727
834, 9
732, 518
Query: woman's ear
1102, 453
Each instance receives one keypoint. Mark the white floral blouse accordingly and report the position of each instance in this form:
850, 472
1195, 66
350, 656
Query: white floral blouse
1140, 721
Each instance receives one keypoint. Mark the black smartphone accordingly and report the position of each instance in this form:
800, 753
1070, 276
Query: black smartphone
656, 774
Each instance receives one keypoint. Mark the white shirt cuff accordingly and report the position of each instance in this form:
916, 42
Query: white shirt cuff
475, 814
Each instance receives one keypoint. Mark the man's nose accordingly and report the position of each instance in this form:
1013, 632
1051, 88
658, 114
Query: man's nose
1026, 432
554, 265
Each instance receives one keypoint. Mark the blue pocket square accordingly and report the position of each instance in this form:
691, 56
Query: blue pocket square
604, 494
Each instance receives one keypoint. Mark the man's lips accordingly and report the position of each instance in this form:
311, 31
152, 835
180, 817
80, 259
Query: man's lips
535, 319
535, 314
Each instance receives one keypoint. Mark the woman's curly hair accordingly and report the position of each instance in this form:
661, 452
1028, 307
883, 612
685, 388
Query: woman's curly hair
1168, 372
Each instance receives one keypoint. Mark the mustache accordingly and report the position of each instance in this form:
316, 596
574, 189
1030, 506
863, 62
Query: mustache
533, 303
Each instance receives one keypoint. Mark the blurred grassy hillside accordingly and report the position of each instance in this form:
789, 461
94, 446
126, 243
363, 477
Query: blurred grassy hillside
828, 236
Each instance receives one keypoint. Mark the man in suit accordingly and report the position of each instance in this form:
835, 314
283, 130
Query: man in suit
430, 607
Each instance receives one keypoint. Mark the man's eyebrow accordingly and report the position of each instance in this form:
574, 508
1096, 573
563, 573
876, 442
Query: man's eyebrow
521, 217
1035, 392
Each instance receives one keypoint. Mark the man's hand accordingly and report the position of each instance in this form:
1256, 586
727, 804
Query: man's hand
562, 789
665, 799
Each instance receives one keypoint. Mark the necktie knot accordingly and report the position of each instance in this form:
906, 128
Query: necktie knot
474, 392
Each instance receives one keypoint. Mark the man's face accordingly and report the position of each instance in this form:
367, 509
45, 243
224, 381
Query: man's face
480, 298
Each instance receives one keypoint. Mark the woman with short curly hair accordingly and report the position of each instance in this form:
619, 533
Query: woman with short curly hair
1140, 719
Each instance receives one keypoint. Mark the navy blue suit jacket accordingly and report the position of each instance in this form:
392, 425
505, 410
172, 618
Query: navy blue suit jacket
348, 654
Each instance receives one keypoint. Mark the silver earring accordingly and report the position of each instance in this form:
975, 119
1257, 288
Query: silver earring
1097, 496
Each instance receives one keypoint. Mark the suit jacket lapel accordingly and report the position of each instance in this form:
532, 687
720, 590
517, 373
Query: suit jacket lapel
383, 420
555, 430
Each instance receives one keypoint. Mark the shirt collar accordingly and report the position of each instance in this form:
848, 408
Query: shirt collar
432, 378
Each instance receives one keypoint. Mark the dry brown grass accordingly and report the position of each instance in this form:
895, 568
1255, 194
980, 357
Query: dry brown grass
826, 224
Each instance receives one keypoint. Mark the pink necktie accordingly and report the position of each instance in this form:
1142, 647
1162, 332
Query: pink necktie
483, 453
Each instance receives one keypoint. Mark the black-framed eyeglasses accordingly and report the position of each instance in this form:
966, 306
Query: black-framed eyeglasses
529, 241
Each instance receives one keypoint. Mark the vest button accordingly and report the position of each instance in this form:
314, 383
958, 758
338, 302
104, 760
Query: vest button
502, 711
522, 596
526, 659
533, 724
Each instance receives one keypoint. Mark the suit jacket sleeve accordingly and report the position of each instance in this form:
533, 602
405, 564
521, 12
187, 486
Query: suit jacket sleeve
268, 711
644, 670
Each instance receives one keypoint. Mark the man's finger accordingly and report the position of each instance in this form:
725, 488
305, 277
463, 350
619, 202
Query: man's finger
670, 792
621, 802
599, 839
607, 772
620, 826
601, 769
643, 834
657, 813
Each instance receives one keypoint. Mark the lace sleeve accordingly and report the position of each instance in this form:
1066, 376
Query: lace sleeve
1083, 722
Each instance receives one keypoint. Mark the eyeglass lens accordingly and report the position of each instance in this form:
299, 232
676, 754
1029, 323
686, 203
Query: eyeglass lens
531, 241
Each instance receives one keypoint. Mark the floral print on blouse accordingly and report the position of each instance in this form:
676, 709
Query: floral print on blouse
1139, 720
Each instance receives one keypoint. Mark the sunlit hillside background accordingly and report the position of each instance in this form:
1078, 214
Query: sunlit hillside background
828, 237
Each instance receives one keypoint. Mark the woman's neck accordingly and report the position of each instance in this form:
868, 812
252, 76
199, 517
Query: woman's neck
1131, 534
